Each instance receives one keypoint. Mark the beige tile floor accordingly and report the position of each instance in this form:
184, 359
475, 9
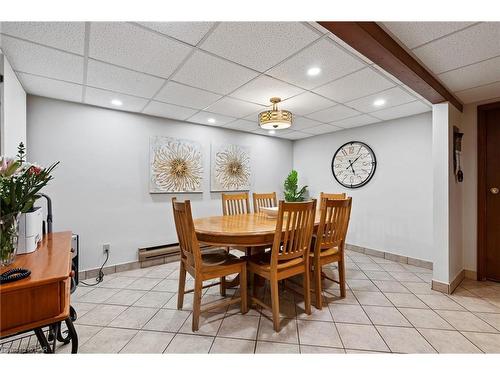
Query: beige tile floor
389, 308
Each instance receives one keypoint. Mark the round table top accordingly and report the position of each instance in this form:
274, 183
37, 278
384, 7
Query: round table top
247, 229
254, 223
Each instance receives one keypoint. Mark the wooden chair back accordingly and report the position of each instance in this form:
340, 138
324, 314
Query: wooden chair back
332, 196
188, 243
264, 200
294, 229
333, 224
235, 204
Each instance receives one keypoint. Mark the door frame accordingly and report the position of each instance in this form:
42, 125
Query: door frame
481, 187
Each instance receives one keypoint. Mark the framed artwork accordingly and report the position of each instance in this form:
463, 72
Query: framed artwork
176, 165
230, 168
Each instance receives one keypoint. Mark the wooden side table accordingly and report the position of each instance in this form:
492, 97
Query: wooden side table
42, 299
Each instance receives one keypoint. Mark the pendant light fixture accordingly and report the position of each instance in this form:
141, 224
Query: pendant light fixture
275, 118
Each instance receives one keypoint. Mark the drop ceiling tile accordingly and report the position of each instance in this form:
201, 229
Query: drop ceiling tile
242, 125
333, 61
213, 74
177, 93
348, 48
387, 75
403, 110
253, 116
356, 85
68, 36
262, 132
293, 135
113, 78
262, 88
465, 47
306, 103
258, 45
318, 27
355, 121
135, 48
338, 112
103, 98
302, 123
51, 88
322, 129
482, 73
392, 97
414, 34
203, 117
476, 94
35, 59
168, 111
189, 32
234, 107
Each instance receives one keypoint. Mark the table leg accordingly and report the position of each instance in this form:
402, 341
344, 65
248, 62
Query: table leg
44, 343
73, 335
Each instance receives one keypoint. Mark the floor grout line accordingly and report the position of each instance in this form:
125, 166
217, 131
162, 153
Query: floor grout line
355, 261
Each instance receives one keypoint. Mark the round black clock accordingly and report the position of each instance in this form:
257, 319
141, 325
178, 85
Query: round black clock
354, 164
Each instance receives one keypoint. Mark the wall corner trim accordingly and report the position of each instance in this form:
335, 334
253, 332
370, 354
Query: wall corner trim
446, 288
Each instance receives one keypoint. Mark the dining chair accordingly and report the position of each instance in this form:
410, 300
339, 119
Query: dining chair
264, 200
329, 242
215, 263
289, 255
332, 196
235, 204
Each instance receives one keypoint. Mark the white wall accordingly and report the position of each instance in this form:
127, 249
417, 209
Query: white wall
456, 202
13, 112
394, 211
100, 189
441, 169
448, 196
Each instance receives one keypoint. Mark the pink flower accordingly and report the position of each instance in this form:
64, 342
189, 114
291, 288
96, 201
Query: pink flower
34, 170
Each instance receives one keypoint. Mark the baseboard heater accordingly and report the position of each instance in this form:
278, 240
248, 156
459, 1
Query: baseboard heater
161, 251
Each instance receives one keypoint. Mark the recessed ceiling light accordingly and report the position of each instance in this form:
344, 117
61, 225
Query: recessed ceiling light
272, 131
211, 120
117, 102
379, 102
314, 71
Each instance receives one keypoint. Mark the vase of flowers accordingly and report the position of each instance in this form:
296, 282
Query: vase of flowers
20, 183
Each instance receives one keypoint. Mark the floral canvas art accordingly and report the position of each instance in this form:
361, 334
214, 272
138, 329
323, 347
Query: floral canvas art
175, 165
231, 168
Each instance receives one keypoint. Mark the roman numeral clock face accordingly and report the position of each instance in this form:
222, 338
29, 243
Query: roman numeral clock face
353, 165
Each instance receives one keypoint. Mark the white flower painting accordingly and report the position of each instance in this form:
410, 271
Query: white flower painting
175, 165
230, 168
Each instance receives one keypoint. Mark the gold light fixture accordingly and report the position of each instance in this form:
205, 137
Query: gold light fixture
275, 118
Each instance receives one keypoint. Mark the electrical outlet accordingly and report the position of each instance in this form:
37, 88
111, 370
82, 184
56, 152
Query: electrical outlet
105, 248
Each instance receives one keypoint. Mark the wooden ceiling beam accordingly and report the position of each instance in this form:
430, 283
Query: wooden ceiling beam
375, 43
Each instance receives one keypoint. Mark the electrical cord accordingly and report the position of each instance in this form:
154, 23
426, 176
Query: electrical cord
100, 275
14, 275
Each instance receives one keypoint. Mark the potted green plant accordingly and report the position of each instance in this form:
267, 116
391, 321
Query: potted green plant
20, 183
292, 191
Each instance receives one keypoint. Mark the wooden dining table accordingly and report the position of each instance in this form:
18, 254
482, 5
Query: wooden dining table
246, 230
253, 231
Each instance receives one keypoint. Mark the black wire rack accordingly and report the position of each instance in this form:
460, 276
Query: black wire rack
26, 343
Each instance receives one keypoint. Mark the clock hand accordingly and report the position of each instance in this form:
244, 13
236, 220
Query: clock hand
355, 160
351, 163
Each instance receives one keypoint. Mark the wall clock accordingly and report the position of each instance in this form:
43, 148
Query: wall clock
354, 164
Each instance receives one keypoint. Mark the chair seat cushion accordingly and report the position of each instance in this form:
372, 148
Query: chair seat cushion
264, 261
